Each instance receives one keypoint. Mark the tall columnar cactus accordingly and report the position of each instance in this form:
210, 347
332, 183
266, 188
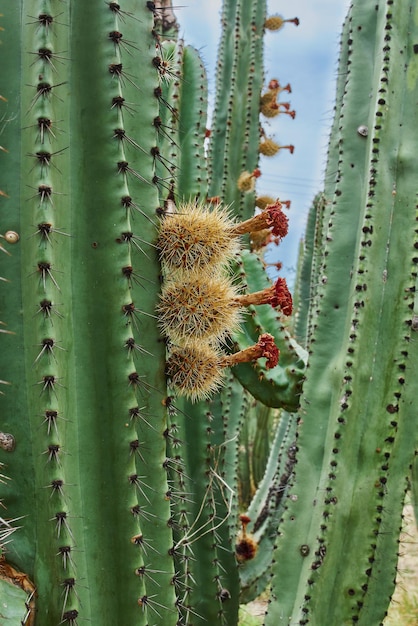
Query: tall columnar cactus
124, 496
336, 554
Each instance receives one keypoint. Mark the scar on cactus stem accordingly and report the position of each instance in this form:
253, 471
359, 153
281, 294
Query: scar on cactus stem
246, 546
276, 22
197, 371
246, 180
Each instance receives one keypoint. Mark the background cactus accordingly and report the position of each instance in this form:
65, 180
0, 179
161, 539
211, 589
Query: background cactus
127, 497
357, 432
124, 500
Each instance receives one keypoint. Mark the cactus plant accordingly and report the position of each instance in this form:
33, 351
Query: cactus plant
122, 504
104, 124
337, 547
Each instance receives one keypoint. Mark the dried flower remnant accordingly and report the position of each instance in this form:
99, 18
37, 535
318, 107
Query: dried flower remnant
278, 295
271, 217
246, 546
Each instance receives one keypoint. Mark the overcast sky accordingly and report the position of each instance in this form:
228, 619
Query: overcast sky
306, 56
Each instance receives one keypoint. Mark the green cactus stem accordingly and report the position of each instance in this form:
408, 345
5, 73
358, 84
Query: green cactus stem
357, 434
82, 405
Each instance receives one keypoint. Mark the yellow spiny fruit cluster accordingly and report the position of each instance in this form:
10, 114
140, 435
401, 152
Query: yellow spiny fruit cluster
195, 313
199, 304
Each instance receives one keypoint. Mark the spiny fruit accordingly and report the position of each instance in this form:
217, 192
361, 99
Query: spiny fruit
276, 22
269, 147
246, 180
196, 239
197, 371
191, 310
195, 309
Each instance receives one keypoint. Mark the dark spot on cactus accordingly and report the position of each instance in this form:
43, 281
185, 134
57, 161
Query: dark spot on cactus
70, 617
114, 6
351, 592
304, 549
44, 125
137, 510
115, 35
134, 379
48, 383
57, 485
61, 520
415, 48
123, 168
44, 192
53, 452
51, 419
224, 595
116, 69
43, 157
134, 446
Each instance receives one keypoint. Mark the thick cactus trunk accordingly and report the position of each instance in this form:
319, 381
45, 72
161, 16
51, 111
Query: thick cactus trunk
337, 547
85, 406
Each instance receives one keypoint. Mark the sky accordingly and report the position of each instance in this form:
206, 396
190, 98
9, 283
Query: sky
305, 56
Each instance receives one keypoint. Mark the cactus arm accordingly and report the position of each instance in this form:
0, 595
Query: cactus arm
358, 493
192, 175
91, 389
205, 513
169, 54
310, 263
183, 123
236, 118
267, 507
